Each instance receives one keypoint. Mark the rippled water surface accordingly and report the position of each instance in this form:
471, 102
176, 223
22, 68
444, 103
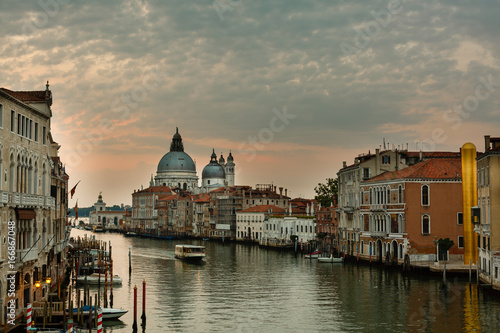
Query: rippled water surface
242, 288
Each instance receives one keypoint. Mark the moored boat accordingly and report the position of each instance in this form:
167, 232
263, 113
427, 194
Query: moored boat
313, 255
130, 234
189, 252
331, 259
94, 279
107, 313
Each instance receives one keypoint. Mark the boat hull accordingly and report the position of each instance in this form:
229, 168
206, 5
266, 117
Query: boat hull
94, 280
331, 260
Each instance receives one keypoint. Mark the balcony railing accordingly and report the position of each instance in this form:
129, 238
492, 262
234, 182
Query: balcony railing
27, 255
378, 233
378, 207
4, 198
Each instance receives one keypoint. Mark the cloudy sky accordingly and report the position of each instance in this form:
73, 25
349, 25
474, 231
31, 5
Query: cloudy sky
292, 88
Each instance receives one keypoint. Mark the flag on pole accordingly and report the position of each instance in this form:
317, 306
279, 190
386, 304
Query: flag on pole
72, 192
76, 210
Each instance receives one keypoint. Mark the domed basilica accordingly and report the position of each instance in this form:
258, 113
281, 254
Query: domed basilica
177, 169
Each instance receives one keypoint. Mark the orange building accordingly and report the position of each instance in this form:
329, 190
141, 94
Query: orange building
327, 226
403, 213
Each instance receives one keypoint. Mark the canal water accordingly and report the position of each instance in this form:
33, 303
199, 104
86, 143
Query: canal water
244, 288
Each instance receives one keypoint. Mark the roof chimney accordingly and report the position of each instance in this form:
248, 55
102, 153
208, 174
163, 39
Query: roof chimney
486, 143
344, 164
281, 192
286, 191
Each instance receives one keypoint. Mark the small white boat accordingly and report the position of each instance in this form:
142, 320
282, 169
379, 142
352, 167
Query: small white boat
313, 255
130, 234
111, 313
189, 252
94, 279
331, 259
107, 313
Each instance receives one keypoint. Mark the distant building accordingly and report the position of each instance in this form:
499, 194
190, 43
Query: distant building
403, 213
327, 226
107, 219
145, 208
488, 201
250, 221
177, 169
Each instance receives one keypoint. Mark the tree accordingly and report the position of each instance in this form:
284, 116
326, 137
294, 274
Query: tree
445, 245
327, 193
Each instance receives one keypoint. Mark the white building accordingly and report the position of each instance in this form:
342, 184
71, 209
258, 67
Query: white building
277, 230
177, 169
250, 221
108, 219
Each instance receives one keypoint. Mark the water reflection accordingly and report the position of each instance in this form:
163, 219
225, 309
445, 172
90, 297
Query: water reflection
241, 288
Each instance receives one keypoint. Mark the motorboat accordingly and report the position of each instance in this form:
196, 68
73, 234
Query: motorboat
93, 279
189, 252
313, 255
107, 313
331, 259
130, 234
98, 228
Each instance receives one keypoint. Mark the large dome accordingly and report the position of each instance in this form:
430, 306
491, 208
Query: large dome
176, 161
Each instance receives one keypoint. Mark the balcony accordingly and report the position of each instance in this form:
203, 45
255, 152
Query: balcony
378, 208
378, 233
26, 255
60, 246
4, 197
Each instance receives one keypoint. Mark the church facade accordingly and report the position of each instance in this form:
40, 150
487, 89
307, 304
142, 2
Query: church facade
177, 169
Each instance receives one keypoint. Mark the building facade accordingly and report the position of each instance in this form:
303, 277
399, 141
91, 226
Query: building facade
488, 202
405, 212
33, 192
367, 166
107, 219
250, 221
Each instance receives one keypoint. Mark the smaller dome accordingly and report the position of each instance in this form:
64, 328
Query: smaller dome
222, 160
230, 158
213, 171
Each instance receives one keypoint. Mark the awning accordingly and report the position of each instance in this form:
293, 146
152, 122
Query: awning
26, 214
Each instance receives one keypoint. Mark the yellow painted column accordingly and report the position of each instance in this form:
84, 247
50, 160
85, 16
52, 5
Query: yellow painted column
469, 193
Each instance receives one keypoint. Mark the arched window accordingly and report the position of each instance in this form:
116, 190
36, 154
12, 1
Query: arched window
388, 195
371, 195
426, 225
400, 194
425, 195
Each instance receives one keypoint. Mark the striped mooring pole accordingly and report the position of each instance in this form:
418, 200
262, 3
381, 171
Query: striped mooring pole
99, 320
28, 318
70, 326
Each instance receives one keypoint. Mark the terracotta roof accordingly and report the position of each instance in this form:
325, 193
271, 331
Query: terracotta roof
168, 197
111, 212
432, 154
155, 189
27, 96
263, 209
441, 168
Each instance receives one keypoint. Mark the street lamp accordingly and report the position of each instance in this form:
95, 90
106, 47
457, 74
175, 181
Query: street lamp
48, 280
37, 284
